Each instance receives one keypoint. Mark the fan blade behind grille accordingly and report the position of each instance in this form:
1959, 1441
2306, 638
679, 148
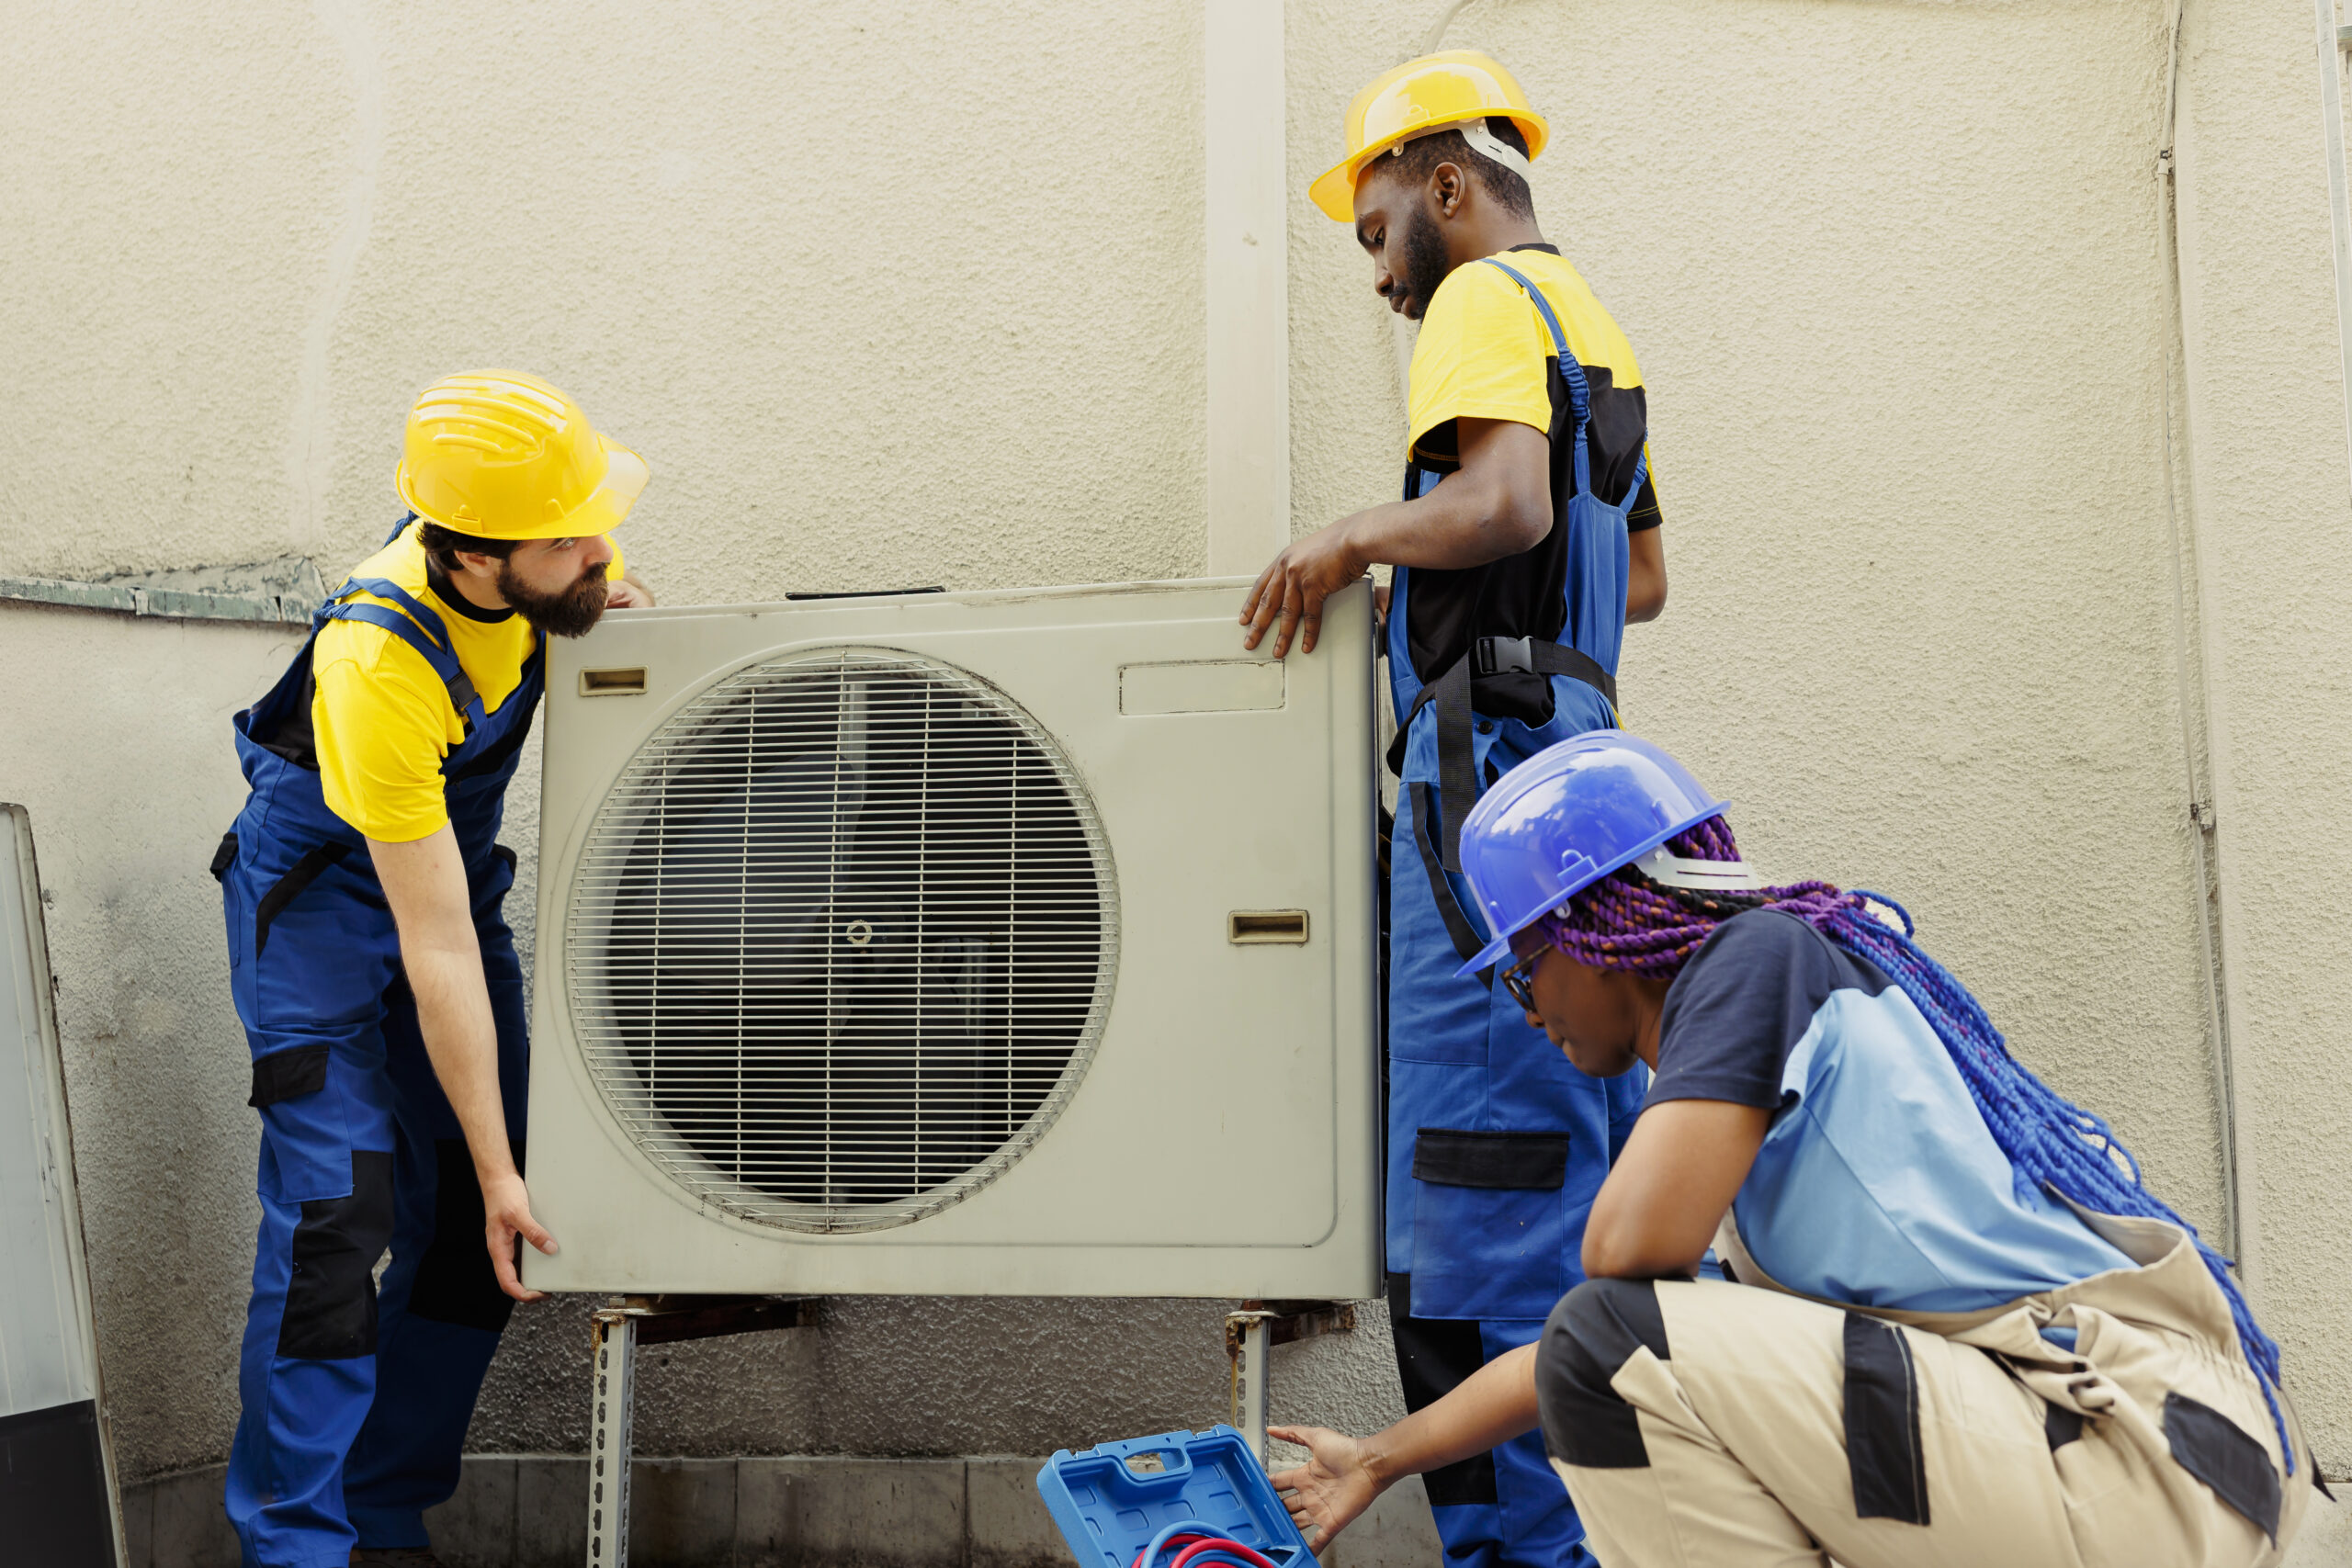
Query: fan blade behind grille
849, 937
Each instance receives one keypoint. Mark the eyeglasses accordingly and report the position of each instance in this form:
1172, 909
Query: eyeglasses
1520, 980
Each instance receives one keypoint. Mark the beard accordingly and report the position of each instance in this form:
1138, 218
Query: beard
1421, 261
567, 614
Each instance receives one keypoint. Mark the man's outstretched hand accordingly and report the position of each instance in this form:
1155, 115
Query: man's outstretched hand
506, 1214
1294, 587
1332, 1488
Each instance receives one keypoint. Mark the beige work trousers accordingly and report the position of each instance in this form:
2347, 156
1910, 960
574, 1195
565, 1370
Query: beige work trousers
1778, 1430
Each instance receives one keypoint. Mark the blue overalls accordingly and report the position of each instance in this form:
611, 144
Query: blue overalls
1496, 1144
355, 1400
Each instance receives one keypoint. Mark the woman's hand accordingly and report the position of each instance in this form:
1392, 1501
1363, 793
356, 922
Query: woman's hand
1336, 1483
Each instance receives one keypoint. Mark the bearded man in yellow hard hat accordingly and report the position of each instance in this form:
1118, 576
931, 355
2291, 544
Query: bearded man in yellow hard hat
376, 977
1526, 537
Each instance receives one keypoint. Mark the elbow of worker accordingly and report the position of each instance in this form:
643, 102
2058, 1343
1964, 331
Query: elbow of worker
1611, 1257
1645, 597
1521, 525
1603, 1258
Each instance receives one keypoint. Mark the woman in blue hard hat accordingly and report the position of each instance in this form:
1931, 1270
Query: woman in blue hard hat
1961, 1330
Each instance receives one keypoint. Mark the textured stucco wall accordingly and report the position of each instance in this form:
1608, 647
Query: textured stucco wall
891, 300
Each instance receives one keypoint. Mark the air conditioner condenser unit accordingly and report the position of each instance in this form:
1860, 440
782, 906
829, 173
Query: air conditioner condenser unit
994, 943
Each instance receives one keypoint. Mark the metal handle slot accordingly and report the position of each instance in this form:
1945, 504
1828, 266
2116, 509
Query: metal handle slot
613, 683
1251, 928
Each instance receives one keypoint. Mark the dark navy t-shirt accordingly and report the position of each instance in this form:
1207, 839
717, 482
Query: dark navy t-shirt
1879, 1182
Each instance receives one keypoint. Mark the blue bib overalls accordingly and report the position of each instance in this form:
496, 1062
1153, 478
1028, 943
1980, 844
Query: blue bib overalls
1496, 1144
355, 1399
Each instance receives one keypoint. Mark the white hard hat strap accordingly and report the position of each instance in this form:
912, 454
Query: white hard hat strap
1718, 875
1483, 142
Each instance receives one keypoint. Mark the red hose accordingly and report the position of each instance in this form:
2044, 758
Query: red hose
1256, 1560
1172, 1540
1200, 1545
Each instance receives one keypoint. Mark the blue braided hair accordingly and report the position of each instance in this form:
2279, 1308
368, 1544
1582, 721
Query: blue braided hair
1627, 921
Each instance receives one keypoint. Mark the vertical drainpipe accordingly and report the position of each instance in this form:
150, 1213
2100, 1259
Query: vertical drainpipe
1247, 287
2339, 205
2204, 716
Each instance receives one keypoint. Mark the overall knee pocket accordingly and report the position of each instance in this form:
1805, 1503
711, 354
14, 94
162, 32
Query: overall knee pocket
1591, 1334
331, 1297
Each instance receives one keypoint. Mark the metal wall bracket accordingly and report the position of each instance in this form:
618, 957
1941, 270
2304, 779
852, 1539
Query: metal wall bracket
619, 1327
1251, 1336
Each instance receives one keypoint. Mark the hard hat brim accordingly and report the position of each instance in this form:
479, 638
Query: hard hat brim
1500, 948
1334, 189
626, 475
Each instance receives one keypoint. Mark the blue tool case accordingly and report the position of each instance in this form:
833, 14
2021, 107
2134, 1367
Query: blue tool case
1111, 1499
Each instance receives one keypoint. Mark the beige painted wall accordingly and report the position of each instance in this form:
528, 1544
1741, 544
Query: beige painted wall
901, 299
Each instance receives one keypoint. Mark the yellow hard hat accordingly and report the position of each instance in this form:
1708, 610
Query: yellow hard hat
1419, 97
504, 455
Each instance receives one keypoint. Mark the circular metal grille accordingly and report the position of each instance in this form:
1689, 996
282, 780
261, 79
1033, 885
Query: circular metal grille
841, 939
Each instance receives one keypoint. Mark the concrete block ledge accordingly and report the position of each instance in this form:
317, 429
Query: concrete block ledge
530, 1511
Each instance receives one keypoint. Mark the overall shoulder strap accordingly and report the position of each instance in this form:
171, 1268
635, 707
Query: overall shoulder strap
462, 696
423, 614
1458, 929
1579, 395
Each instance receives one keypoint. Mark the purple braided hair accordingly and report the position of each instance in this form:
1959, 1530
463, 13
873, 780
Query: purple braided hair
1627, 921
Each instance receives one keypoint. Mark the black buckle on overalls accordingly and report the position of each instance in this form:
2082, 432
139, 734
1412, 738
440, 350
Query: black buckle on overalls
1502, 656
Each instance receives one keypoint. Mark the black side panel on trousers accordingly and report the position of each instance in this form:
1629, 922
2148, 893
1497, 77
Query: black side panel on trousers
224, 856
2061, 1425
1435, 1356
1882, 1451
289, 888
331, 1301
1450, 1156
2224, 1456
53, 1505
287, 1075
455, 1282
1593, 1332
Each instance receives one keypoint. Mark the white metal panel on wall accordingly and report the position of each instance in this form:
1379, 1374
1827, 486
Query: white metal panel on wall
56, 1488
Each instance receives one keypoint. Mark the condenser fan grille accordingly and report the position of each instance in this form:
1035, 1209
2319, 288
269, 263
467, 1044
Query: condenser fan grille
841, 938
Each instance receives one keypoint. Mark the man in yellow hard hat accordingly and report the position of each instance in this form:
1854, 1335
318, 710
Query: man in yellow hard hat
1526, 537
376, 977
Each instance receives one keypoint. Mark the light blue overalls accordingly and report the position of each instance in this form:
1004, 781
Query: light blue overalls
356, 1400
1496, 1144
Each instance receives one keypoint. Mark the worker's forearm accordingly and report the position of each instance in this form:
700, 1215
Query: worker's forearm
461, 1038
1491, 1406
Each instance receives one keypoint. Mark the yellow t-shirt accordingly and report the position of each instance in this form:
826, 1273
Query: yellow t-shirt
1481, 354
381, 720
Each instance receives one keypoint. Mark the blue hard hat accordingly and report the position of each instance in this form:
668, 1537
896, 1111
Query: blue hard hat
1565, 819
